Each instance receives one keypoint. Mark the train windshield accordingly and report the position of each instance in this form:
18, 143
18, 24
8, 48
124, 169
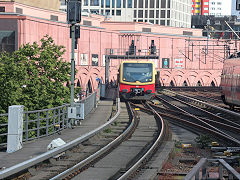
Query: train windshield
142, 72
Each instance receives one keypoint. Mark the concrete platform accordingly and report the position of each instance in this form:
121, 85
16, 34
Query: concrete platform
31, 149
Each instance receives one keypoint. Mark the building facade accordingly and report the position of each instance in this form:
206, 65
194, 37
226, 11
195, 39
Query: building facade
192, 60
236, 8
200, 7
163, 12
220, 7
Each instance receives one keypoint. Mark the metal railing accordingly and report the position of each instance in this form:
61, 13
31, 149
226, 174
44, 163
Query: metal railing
40, 123
3, 129
134, 51
200, 170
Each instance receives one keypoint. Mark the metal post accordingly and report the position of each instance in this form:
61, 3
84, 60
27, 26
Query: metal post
72, 64
107, 62
208, 23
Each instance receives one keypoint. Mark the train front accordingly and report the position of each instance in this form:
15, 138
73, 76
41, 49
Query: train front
137, 80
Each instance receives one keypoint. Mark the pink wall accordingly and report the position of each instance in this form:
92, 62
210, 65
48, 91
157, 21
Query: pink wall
95, 40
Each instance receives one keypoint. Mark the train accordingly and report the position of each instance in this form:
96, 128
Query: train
230, 81
136, 80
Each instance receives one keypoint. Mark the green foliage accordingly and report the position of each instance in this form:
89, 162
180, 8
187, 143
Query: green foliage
108, 130
34, 76
203, 140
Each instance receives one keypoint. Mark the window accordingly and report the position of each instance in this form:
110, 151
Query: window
7, 41
163, 3
135, 13
113, 3
157, 13
151, 3
2, 8
85, 2
205, 8
112, 12
146, 3
118, 12
162, 22
219, 3
206, 3
129, 3
94, 2
19, 10
94, 11
151, 13
162, 13
124, 3
237, 4
213, 3
140, 4
94, 59
140, 13
107, 12
151, 21
157, 4
118, 3
54, 18
168, 14
107, 4
146, 13
88, 23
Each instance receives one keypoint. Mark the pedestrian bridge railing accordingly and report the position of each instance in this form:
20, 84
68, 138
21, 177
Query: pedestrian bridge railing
200, 170
40, 123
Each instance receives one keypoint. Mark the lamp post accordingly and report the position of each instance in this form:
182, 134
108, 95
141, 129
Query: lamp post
208, 24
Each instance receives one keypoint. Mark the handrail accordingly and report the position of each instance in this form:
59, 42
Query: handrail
31, 162
202, 164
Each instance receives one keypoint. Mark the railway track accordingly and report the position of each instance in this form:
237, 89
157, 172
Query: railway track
114, 152
130, 154
211, 96
218, 124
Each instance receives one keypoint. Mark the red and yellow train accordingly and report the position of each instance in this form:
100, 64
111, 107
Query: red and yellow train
230, 81
137, 80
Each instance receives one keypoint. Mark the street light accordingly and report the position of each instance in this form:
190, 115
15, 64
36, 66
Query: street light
208, 24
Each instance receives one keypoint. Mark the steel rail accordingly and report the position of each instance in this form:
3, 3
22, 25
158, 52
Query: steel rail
195, 117
207, 104
98, 153
29, 163
155, 144
192, 124
210, 113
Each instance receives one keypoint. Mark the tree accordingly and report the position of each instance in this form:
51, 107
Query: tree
34, 76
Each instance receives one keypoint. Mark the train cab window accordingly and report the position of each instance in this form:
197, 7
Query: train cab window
172, 84
141, 72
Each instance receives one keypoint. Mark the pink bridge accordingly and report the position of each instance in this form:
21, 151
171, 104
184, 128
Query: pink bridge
185, 57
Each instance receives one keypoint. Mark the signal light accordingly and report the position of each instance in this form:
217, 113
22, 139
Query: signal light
73, 11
